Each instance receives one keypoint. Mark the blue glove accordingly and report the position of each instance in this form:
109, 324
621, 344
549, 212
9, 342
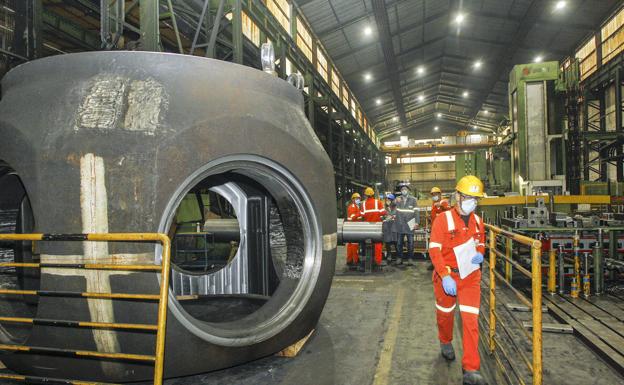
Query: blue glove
449, 285
477, 259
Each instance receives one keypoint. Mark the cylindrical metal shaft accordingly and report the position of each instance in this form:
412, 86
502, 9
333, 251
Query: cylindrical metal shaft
598, 265
561, 271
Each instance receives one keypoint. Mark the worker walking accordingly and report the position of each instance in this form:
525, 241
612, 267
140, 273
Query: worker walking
354, 213
457, 247
406, 222
388, 227
373, 211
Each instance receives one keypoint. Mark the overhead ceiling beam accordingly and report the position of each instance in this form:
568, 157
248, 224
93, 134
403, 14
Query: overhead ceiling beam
342, 25
392, 69
505, 58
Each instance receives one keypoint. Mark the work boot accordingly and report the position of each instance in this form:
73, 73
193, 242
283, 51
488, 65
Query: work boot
430, 266
447, 351
473, 377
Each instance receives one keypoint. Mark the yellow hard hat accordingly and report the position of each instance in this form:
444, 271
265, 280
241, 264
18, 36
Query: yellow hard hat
369, 191
355, 195
470, 185
436, 190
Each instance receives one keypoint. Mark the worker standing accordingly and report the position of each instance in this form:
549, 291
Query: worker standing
354, 213
439, 205
373, 211
406, 221
457, 247
388, 227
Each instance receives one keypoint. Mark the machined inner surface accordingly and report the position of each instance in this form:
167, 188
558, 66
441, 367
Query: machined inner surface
272, 266
16, 217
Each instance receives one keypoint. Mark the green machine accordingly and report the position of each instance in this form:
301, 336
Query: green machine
471, 163
537, 150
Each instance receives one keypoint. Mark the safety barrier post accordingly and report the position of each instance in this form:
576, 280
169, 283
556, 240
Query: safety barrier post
536, 280
509, 254
492, 290
552, 271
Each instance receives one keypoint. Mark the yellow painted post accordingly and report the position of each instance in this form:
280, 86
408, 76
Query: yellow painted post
492, 290
162, 310
536, 280
508, 254
552, 272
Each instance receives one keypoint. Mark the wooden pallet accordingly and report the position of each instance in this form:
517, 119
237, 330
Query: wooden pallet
294, 349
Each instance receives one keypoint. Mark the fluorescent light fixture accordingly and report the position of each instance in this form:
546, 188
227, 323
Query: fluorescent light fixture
368, 31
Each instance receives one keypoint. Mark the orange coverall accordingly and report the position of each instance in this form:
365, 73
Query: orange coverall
353, 214
449, 231
373, 211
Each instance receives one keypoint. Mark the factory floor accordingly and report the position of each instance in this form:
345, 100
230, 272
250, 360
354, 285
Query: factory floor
380, 329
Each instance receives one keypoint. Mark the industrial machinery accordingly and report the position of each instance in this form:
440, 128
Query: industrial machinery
114, 142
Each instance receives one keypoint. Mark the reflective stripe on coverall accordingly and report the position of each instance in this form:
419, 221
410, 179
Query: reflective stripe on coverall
449, 231
373, 211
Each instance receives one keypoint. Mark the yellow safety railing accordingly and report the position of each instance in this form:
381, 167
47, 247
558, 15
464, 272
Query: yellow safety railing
533, 364
160, 328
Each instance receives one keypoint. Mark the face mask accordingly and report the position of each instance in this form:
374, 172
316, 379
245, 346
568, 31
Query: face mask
435, 198
468, 205
357, 201
404, 192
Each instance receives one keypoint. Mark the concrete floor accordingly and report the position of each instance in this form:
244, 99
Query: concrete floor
380, 330
375, 329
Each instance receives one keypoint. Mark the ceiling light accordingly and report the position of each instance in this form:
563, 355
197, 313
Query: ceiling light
485, 112
378, 102
439, 115
436, 153
465, 94
474, 127
395, 119
477, 64
421, 98
436, 128
368, 76
560, 5
420, 70
459, 18
368, 31
398, 132
538, 59
465, 150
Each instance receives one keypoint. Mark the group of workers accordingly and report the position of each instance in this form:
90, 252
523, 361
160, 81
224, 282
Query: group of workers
456, 248
400, 217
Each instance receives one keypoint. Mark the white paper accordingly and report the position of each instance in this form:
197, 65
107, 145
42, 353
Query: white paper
412, 223
464, 254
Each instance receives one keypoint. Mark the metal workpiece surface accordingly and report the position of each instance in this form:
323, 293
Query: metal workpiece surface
111, 142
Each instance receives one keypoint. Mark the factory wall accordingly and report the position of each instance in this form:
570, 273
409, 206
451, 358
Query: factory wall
423, 176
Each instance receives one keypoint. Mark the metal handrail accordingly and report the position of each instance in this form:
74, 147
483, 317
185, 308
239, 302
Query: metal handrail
536, 295
162, 298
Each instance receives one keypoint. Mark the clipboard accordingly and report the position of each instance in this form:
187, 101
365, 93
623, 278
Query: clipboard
464, 254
